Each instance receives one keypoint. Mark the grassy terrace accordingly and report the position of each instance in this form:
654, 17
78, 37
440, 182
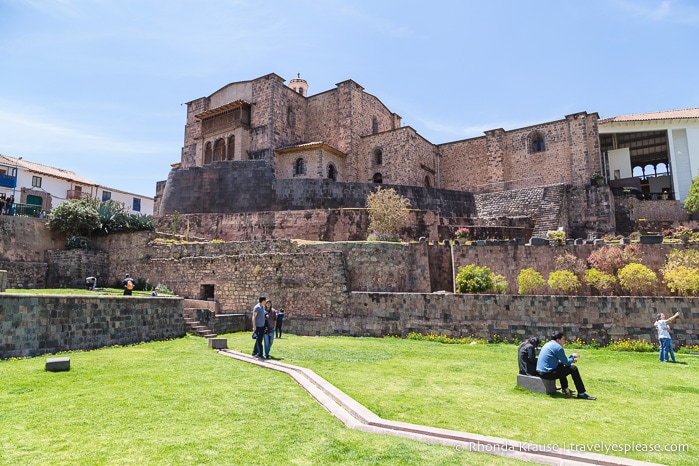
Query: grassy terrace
179, 402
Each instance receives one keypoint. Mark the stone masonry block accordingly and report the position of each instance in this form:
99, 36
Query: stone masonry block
57, 364
536, 384
218, 343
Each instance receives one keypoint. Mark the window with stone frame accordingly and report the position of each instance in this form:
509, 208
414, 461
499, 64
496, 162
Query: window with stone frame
290, 116
536, 142
427, 182
219, 150
377, 178
374, 125
378, 156
208, 153
230, 148
299, 167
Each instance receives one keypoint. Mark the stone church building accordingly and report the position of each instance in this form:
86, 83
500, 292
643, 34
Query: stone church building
264, 160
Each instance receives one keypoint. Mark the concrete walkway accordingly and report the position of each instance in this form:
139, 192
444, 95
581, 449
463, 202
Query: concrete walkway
356, 416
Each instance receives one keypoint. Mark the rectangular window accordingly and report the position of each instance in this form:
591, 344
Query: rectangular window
136, 204
36, 181
106, 195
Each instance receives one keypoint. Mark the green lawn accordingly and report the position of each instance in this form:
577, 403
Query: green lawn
473, 388
178, 402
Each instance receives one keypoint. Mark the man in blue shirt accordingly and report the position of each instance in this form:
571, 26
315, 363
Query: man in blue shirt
554, 364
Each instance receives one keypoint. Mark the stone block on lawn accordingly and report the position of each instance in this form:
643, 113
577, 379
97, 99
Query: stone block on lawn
218, 343
57, 364
536, 384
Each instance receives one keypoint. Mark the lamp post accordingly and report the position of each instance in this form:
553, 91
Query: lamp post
14, 188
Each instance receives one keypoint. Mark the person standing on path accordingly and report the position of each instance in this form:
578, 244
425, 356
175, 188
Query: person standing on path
271, 324
258, 323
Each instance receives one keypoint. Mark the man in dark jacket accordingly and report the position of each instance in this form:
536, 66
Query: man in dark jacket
527, 356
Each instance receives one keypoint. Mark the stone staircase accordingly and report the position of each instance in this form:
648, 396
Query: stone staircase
192, 309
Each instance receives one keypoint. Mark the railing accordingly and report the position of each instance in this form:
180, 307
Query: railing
74, 194
26, 210
7, 181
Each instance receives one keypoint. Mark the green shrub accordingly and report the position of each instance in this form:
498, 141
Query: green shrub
602, 282
559, 236
500, 284
564, 281
637, 279
530, 281
682, 280
475, 279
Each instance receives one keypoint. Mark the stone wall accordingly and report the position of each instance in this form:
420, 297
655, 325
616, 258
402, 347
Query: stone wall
31, 325
484, 316
25, 274
68, 268
25, 239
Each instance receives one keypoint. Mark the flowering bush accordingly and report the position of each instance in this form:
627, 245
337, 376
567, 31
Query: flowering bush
683, 281
564, 281
610, 259
571, 263
602, 282
638, 346
559, 236
475, 279
637, 278
530, 282
681, 257
462, 233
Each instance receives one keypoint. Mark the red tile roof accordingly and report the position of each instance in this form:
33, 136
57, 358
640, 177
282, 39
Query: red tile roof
687, 113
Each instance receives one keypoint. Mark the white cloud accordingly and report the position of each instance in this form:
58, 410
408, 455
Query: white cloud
671, 11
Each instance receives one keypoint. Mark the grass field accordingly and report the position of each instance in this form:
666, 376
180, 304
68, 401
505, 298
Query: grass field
472, 388
178, 402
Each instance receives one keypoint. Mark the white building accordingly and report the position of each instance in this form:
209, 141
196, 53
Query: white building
36, 187
657, 152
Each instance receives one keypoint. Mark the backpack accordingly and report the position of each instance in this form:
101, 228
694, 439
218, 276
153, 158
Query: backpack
129, 285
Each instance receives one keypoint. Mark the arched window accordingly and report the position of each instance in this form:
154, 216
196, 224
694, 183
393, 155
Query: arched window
291, 115
378, 179
427, 181
332, 172
649, 170
378, 156
638, 171
374, 125
231, 148
299, 167
219, 150
536, 142
208, 153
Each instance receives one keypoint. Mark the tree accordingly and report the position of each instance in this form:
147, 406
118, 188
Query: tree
388, 212
691, 203
78, 217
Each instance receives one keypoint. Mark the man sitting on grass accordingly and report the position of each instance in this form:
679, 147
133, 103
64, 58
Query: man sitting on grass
554, 364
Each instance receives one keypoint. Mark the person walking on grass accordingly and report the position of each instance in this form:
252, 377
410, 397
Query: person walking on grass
259, 322
554, 364
664, 338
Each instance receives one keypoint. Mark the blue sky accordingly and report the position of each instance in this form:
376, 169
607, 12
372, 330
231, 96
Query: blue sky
96, 86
